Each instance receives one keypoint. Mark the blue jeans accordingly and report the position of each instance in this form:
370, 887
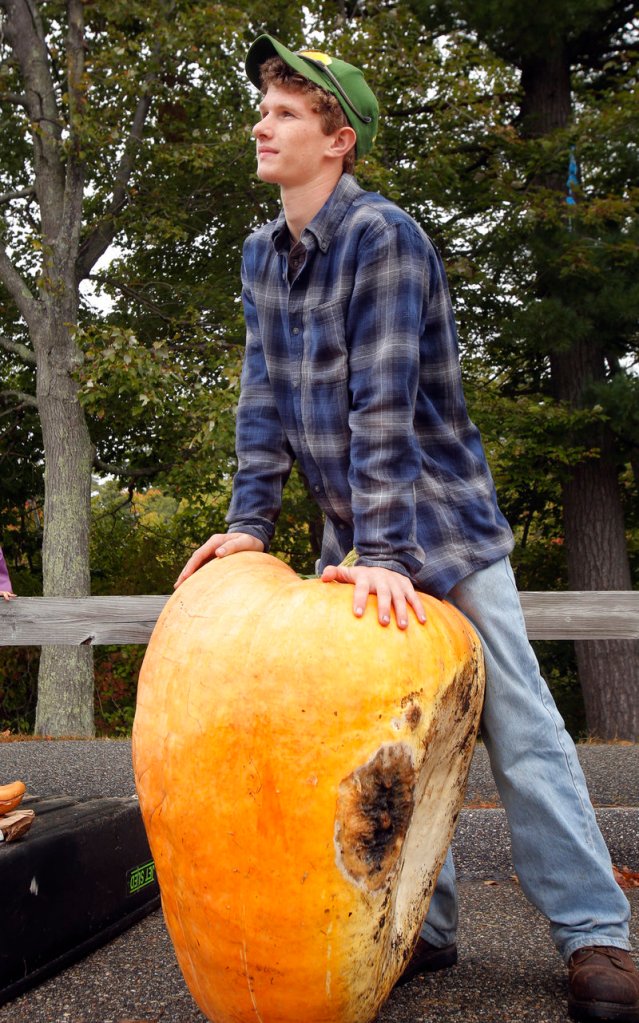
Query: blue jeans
561, 859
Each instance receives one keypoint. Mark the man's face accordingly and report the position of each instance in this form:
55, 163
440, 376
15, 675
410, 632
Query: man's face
291, 146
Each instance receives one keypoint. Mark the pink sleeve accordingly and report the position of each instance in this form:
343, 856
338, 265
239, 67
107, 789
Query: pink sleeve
5, 582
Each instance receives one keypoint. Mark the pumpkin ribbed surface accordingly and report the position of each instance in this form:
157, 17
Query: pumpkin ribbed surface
299, 772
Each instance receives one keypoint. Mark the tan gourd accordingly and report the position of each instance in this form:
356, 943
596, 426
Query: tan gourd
299, 772
11, 796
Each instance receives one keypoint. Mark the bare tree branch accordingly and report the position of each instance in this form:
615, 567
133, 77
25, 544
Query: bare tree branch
12, 412
18, 349
27, 400
15, 98
505, 96
137, 295
25, 34
125, 470
71, 222
115, 508
20, 193
18, 289
129, 292
99, 239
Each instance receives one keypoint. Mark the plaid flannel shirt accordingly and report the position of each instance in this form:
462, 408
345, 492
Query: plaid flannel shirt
352, 368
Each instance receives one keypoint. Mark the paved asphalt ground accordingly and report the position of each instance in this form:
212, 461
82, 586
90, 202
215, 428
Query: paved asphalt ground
508, 970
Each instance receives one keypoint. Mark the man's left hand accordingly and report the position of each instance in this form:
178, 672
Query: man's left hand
394, 591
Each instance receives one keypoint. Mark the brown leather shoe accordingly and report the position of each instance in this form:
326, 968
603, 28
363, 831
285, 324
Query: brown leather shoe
427, 958
604, 984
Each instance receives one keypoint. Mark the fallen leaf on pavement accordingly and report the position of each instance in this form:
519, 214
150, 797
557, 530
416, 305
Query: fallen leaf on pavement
625, 877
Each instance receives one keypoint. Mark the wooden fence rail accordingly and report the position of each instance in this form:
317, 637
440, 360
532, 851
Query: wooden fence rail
64, 621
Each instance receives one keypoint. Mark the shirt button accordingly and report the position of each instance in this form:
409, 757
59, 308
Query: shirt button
317, 488
296, 330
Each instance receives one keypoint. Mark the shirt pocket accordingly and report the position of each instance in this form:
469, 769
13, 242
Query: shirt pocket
325, 351
325, 376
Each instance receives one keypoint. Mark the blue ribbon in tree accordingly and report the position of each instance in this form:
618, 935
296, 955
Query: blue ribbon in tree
572, 180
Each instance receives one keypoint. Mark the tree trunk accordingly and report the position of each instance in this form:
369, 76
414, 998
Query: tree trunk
598, 560
65, 683
546, 102
596, 546
597, 557
49, 307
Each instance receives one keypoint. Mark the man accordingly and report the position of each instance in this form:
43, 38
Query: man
352, 368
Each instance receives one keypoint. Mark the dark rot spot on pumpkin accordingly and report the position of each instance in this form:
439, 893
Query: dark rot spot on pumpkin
412, 709
413, 715
374, 808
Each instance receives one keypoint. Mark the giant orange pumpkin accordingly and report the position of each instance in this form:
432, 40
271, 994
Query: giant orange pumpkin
299, 771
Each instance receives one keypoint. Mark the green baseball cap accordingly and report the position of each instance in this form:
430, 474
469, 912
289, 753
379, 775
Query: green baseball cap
344, 81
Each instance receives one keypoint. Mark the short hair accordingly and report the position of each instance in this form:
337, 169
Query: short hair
275, 71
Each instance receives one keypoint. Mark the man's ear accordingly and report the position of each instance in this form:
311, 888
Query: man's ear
343, 141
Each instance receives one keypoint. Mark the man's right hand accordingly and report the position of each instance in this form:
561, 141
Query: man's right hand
218, 546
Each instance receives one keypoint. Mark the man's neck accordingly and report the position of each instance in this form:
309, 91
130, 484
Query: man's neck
302, 202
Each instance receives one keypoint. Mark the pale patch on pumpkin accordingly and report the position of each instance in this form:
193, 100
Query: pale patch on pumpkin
249, 981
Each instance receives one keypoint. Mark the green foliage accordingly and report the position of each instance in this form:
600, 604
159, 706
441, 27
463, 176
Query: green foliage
137, 541
116, 364
517, 30
18, 688
116, 675
530, 447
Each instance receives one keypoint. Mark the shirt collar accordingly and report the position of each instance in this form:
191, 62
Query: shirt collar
325, 223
